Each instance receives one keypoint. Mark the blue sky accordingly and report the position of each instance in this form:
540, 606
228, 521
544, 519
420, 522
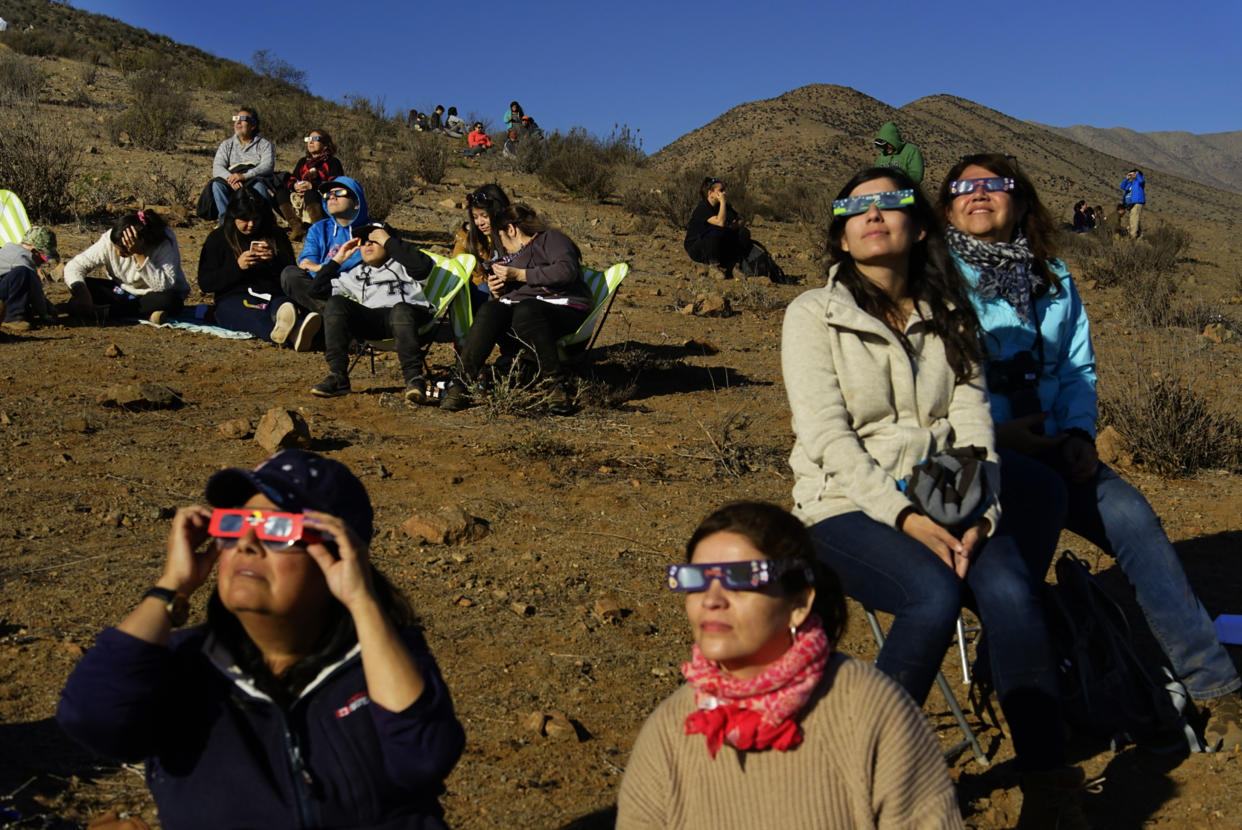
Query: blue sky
669, 67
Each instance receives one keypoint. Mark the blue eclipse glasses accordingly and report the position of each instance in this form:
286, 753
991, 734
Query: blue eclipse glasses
750, 575
992, 185
888, 200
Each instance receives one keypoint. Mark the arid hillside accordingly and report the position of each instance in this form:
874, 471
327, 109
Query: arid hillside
1214, 159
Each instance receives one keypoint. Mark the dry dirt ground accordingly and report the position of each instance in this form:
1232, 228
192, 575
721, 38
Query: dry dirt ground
579, 508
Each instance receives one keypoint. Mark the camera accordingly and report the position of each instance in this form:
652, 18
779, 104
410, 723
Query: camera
1018, 379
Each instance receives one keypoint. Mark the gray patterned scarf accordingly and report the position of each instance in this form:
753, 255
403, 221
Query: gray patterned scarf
1004, 269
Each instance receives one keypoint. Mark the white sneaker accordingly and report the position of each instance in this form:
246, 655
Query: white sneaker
286, 316
305, 340
158, 317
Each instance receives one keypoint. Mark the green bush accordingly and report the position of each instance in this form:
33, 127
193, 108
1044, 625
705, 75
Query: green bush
227, 76
40, 163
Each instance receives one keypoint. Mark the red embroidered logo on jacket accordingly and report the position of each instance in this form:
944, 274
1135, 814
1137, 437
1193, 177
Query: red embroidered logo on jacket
353, 705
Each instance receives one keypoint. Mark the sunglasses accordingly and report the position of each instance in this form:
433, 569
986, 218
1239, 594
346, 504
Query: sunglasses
243, 118
277, 531
888, 200
750, 575
992, 185
311, 138
339, 193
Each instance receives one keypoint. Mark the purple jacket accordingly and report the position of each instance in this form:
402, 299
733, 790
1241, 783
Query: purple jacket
220, 753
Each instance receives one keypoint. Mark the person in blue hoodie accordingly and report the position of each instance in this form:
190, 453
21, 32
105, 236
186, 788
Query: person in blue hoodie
1041, 379
1133, 196
308, 698
345, 206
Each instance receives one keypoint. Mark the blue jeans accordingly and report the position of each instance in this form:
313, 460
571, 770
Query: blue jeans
1111, 514
221, 192
887, 570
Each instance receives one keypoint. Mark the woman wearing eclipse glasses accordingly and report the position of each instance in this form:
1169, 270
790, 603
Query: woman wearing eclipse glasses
772, 722
308, 698
296, 198
882, 371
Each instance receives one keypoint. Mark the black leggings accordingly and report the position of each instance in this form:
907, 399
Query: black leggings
103, 292
718, 246
534, 322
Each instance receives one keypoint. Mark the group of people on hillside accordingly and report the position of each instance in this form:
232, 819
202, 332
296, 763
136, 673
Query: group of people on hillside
945, 326
437, 121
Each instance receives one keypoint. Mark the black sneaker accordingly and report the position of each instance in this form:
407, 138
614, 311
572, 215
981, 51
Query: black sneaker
416, 390
333, 386
456, 397
305, 339
286, 319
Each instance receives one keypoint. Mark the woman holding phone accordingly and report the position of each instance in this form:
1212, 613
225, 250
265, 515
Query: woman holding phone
241, 263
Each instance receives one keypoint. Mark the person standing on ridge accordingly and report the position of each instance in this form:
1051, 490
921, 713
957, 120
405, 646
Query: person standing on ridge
1134, 197
894, 152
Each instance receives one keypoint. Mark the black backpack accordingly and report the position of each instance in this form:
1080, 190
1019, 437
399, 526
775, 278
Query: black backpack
1106, 690
759, 262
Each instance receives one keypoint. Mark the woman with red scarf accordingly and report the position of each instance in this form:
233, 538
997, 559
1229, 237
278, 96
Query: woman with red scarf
773, 728
319, 165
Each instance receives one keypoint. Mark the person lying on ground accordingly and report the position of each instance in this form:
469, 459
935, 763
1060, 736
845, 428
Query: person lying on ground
22, 301
346, 207
1041, 379
241, 263
298, 200
140, 257
772, 721
483, 207
380, 298
478, 141
244, 159
308, 696
716, 235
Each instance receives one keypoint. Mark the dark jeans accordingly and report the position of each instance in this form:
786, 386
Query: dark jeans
296, 284
887, 570
124, 304
238, 312
18, 288
222, 191
720, 246
533, 322
345, 320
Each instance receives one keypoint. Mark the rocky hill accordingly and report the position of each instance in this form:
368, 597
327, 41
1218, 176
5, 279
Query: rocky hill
1214, 159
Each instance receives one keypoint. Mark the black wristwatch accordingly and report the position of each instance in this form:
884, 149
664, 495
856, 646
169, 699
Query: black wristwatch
177, 605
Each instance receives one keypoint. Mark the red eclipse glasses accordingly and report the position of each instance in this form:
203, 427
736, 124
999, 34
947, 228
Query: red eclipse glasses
277, 531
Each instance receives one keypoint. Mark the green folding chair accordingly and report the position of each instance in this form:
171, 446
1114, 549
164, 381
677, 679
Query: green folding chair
13, 220
603, 285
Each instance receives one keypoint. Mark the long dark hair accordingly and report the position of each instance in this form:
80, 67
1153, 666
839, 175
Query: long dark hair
525, 219
778, 535
335, 639
1037, 223
931, 278
493, 200
152, 229
246, 204
327, 145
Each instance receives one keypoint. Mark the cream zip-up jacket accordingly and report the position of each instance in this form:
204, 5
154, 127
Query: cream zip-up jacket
864, 412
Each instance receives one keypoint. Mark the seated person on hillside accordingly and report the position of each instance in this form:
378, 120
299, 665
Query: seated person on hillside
435, 121
483, 207
379, 298
894, 152
241, 264
140, 257
22, 301
1082, 222
346, 206
244, 159
478, 141
297, 200
308, 695
454, 126
538, 294
716, 234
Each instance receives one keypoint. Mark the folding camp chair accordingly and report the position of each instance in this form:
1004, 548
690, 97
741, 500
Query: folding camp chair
968, 739
603, 285
443, 285
13, 220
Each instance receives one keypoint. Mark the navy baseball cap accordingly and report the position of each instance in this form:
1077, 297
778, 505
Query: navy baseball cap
297, 480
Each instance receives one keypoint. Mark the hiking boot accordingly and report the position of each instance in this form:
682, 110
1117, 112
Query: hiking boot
297, 229
304, 341
560, 402
456, 397
1052, 800
158, 317
1223, 730
333, 386
416, 391
286, 318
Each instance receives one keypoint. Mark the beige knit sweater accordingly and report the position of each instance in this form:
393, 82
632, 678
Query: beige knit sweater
868, 759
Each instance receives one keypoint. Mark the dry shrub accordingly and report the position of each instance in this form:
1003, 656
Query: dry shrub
578, 164
20, 81
672, 201
159, 114
385, 185
227, 76
39, 163
429, 157
92, 194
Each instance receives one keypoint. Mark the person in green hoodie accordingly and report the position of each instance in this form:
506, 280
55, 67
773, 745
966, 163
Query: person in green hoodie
894, 152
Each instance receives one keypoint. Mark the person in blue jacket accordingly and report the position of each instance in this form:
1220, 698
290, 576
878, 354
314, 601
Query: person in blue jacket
1041, 379
345, 208
1133, 196
309, 698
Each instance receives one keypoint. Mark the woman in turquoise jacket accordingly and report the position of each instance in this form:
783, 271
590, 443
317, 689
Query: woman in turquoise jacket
1041, 380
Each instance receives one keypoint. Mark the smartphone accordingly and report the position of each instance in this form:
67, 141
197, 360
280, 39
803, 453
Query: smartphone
259, 246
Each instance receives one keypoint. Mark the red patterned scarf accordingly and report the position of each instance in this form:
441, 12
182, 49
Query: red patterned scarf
760, 712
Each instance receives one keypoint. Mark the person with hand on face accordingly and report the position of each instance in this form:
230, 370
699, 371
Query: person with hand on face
1134, 197
346, 207
22, 301
773, 726
297, 199
241, 263
716, 235
483, 207
244, 159
882, 369
143, 265
1041, 378
309, 696
379, 298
